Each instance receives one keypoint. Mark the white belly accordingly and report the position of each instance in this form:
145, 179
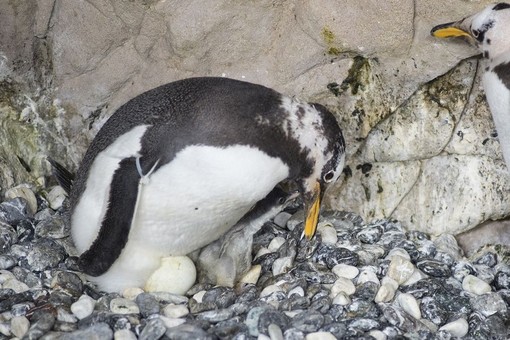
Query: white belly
204, 191
498, 97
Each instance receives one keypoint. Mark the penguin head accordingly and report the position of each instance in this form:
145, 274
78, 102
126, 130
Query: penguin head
324, 165
488, 29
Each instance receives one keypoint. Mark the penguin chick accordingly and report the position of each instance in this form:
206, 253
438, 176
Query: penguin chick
226, 260
176, 167
490, 31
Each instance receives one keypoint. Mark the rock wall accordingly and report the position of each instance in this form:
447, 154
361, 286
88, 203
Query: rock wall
421, 145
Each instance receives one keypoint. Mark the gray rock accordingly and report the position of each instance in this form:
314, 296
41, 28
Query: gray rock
97, 331
153, 330
41, 323
147, 304
187, 331
8, 237
14, 210
308, 322
45, 254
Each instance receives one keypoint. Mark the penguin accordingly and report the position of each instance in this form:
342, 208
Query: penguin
176, 167
225, 261
490, 31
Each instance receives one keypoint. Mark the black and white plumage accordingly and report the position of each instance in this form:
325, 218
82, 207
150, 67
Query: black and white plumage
490, 30
176, 167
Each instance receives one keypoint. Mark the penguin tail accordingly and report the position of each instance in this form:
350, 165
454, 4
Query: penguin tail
63, 176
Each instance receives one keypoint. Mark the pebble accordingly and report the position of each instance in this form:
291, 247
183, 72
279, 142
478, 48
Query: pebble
320, 336
275, 244
19, 326
458, 328
367, 274
344, 285
252, 276
56, 197
270, 290
341, 299
409, 304
434, 268
387, 290
124, 334
328, 234
124, 306
282, 265
378, 335
489, 304
15, 285
154, 329
172, 322
274, 332
400, 269
345, 270
175, 311
474, 285
83, 307
132, 292
24, 192
97, 331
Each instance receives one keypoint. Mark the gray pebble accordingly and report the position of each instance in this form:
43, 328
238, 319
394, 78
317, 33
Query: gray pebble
154, 330
45, 254
98, 331
308, 321
147, 304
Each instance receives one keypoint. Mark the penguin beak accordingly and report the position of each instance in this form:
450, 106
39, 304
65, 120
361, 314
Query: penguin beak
312, 208
451, 30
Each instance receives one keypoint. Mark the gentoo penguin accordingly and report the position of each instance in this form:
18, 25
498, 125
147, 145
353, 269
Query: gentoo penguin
176, 167
490, 30
224, 261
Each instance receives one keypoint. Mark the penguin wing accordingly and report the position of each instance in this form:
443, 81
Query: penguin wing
115, 227
64, 177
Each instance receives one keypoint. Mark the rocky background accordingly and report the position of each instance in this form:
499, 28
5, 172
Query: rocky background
421, 145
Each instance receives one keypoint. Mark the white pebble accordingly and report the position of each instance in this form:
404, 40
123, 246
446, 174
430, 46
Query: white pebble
171, 322
263, 337
252, 276
345, 270
367, 275
175, 311
65, 315
15, 285
262, 251
409, 304
199, 296
474, 285
132, 292
342, 285
417, 276
377, 334
299, 291
124, 334
398, 252
124, 306
320, 336
400, 269
56, 197
177, 274
19, 326
270, 290
386, 292
275, 244
6, 275
5, 329
341, 299
328, 234
457, 328
282, 265
83, 307
275, 332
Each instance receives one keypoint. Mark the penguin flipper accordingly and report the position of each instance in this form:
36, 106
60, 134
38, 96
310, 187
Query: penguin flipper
63, 176
115, 227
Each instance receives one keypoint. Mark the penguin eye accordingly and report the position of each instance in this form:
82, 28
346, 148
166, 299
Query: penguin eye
475, 33
328, 177
281, 200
